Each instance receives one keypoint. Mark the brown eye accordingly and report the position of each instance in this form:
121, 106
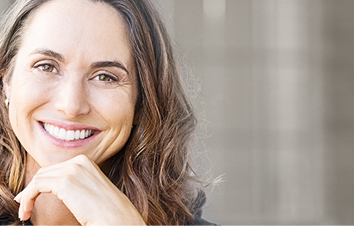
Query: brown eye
47, 68
104, 78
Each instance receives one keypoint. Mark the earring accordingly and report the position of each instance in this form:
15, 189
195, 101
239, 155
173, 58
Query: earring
7, 102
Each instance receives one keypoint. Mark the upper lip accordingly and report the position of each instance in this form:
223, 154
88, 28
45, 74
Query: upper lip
69, 126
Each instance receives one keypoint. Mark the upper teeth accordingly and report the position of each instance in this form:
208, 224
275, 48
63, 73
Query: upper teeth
67, 135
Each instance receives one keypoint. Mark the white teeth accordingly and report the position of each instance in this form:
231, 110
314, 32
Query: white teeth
62, 134
50, 128
68, 135
55, 132
77, 134
82, 134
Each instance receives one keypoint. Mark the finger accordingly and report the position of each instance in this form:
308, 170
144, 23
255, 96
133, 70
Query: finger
81, 166
18, 197
29, 195
21, 213
25, 210
24, 215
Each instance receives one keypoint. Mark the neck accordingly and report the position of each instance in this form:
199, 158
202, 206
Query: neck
48, 209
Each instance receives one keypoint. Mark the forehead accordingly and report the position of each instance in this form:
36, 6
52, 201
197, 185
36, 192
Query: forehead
77, 25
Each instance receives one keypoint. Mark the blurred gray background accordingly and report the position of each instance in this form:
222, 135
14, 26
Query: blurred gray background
277, 87
276, 95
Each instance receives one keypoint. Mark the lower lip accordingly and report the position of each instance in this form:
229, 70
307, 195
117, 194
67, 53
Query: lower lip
67, 144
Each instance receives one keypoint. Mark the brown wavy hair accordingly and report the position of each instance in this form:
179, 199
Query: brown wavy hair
153, 169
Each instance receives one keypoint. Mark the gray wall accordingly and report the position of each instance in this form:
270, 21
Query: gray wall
277, 86
276, 90
4, 4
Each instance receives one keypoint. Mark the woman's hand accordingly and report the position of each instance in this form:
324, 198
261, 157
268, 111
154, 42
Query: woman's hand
86, 192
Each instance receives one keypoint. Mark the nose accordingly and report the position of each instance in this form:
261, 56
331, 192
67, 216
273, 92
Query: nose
71, 98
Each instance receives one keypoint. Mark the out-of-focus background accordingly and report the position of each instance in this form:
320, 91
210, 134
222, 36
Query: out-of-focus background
277, 99
277, 87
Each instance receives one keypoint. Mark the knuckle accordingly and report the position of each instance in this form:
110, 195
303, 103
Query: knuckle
81, 159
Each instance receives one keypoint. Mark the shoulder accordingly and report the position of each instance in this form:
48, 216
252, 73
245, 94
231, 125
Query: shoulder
201, 221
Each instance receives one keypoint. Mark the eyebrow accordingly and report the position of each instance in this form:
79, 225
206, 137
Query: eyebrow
110, 64
49, 53
99, 64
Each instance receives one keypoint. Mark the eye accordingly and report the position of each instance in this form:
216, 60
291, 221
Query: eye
105, 78
47, 68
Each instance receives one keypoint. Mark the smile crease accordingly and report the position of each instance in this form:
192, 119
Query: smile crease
67, 135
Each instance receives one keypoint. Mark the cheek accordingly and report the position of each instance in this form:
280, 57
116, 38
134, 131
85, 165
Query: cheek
117, 111
117, 102
25, 97
116, 108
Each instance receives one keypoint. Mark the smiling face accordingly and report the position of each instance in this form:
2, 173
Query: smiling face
73, 89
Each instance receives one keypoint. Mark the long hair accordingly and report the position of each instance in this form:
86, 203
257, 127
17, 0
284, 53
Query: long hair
153, 169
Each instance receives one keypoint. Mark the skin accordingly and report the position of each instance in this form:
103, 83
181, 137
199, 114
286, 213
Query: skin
58, 79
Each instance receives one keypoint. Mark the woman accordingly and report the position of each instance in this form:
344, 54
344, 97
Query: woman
94, 122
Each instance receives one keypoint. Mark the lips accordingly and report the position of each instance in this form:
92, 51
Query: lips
67, 135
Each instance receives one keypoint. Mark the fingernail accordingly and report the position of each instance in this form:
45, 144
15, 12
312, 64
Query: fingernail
18, 197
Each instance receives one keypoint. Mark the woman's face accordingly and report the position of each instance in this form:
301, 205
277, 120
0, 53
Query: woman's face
73, 89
